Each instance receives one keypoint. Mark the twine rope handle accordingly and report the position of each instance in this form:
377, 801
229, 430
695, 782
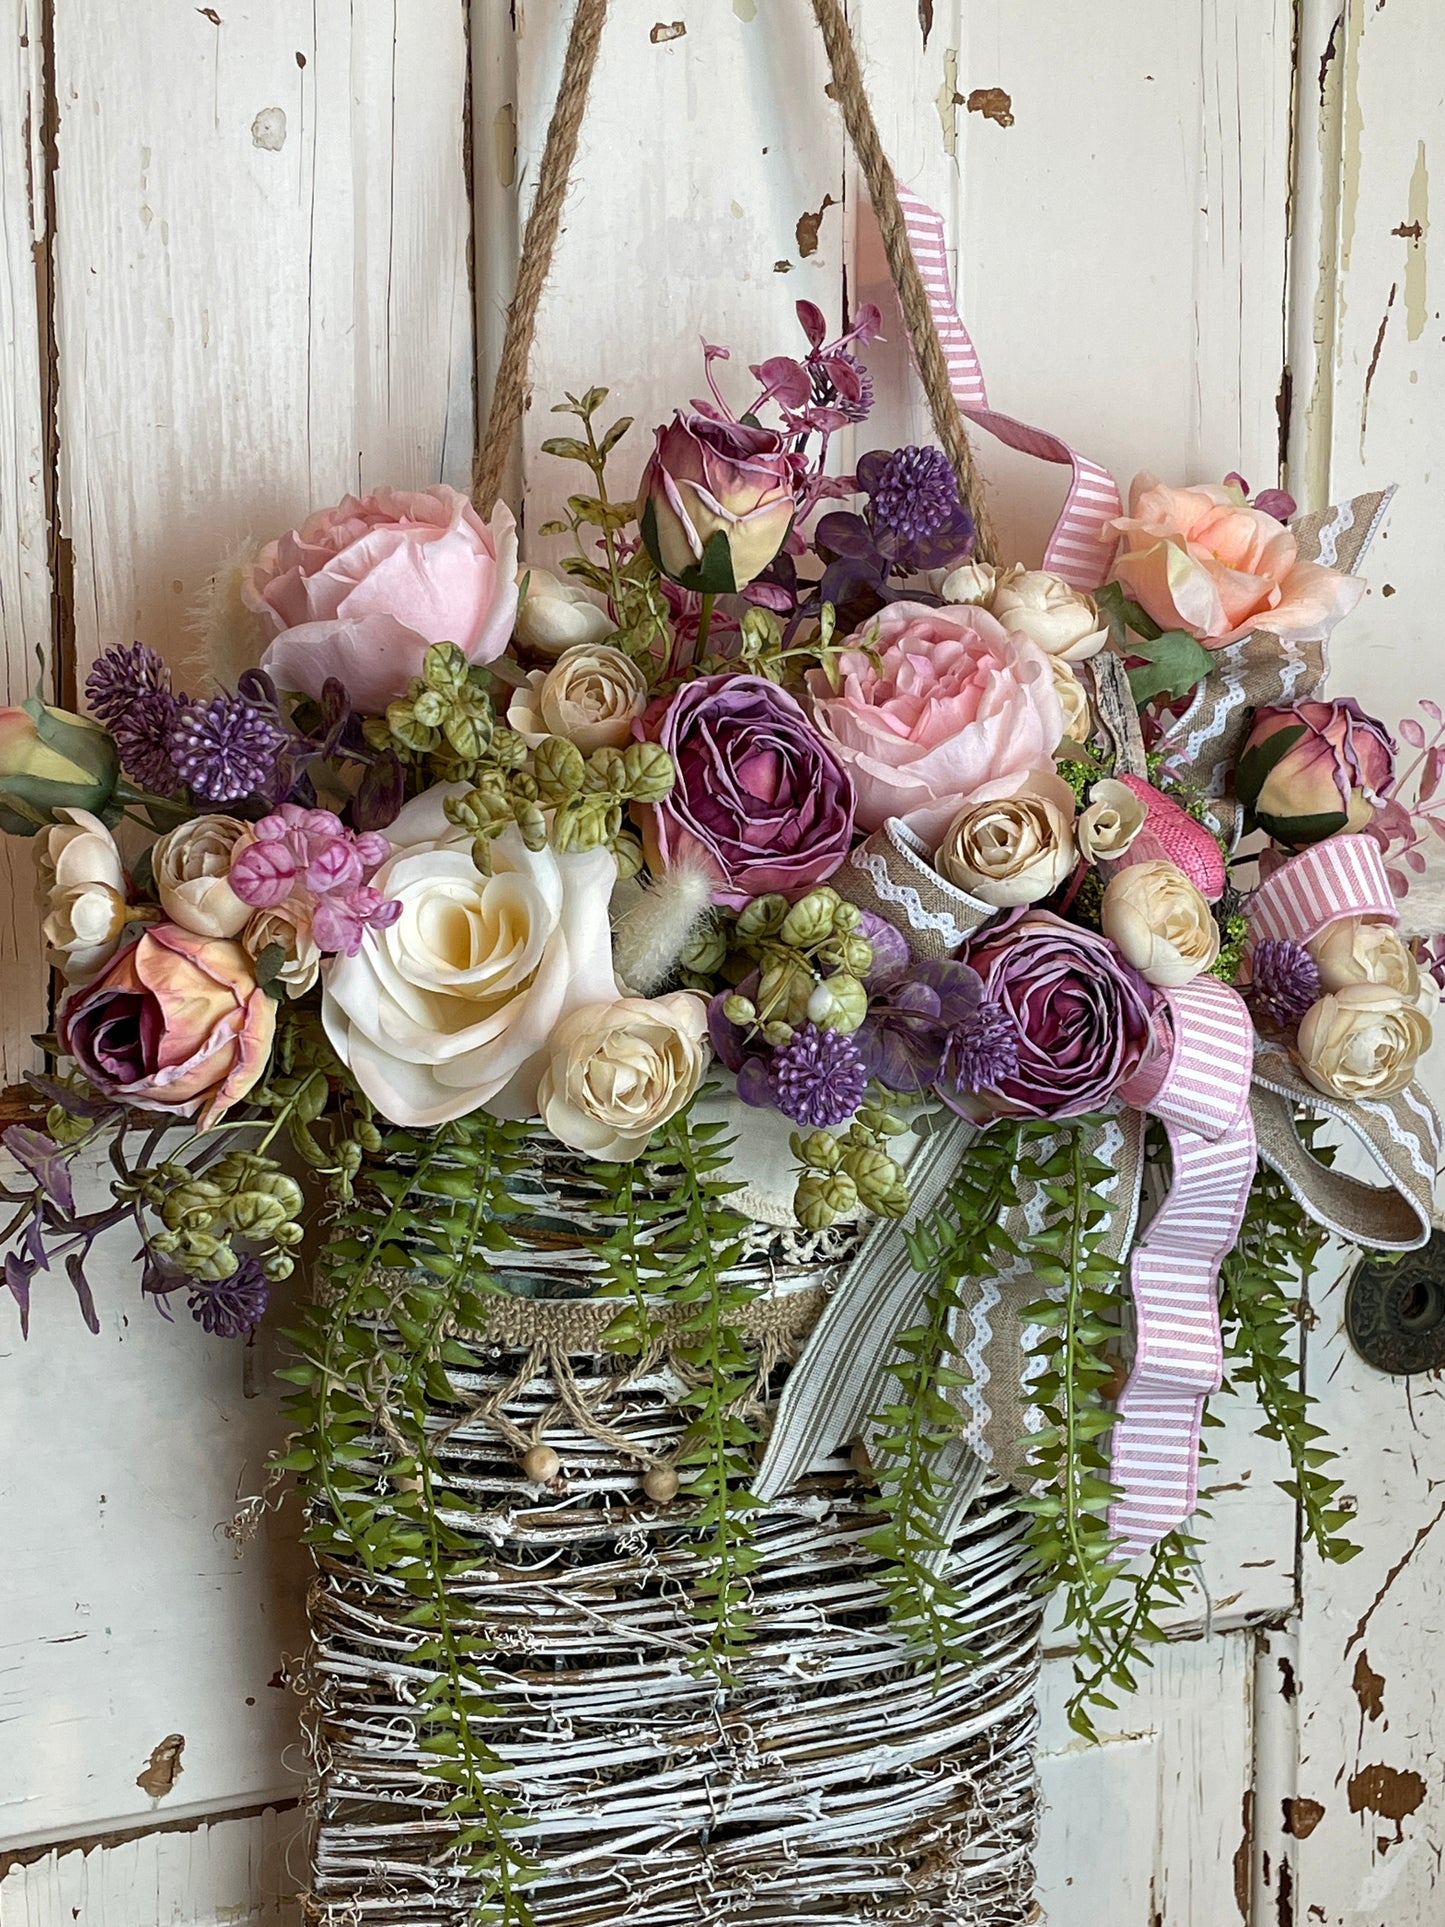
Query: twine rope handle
545, 220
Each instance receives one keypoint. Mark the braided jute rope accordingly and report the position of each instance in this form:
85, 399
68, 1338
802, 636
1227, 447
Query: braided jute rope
544, 222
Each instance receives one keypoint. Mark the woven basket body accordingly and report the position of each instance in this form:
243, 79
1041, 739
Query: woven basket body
832, 1780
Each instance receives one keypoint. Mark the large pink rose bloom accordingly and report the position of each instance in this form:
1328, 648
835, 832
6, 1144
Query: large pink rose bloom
361, 590
1200, 559
958, 711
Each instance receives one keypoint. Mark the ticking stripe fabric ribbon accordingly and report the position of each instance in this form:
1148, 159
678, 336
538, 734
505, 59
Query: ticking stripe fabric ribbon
1078, 549
1202, 1100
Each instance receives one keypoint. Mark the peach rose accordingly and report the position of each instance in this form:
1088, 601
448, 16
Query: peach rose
361, 590
1201, 559
957, 711
175, 1023
590, 695
1362, 1041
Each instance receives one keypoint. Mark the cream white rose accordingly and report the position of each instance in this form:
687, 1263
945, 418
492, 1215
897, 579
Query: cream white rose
970, 582
1016, 849
82, 890
454, 1006
1362, 1041
1160, 922
1110, 822
1359, 950
191, 866
590, 695
1073, 701
289, 925
1043, 607
555, 614
617, 1071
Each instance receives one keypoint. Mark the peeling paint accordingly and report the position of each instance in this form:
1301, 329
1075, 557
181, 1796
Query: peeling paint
268, 130
1367, 1684
1390, 1577
1415, 229
1392, 1793
666, 30
993, 103
1375, 362
1243, 1854
163, 1768
1302, 1816
948, 101
809, 226
925, 20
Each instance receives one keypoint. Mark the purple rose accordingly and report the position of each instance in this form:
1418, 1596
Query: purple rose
759, 798
1085, 1019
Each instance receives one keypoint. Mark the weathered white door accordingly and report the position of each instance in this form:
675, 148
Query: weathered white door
238, 251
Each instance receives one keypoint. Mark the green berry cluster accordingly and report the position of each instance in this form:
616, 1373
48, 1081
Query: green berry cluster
560, 797
841, 1173
243, 1195
446, 720
810, 959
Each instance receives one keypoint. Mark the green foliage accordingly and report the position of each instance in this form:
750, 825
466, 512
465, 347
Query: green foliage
1265, 1282
372, 1359
675, 1241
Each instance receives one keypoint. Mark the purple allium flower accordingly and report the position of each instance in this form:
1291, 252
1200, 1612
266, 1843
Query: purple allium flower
982, 1049
912, 491
121, 674
818, 1078
129, 689
225, 749
231, 1307
1286, 980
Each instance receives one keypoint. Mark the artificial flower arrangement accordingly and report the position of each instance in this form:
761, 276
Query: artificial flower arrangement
766, 790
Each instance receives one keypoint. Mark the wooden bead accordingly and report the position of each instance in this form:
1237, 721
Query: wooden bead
660, 1484
541, 1464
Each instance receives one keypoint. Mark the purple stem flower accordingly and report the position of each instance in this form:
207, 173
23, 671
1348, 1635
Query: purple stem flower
818, 1078
231, 1307
226, 748
1286, 980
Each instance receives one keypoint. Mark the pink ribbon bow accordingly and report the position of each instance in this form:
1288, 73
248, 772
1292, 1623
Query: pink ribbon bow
1342, 877
1201, 1094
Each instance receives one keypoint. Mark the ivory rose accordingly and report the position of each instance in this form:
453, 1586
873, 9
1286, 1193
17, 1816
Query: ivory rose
1016, 849
555, 614
453, 1007
1361, 950
360, 591
82, 887
970, 582
1201, 559
956, 711
289, 925
1073, 702
1111, 821
1046, 609
1362, 1041
591, 696
175, 1022
619, 1070
1159, 921
191, 865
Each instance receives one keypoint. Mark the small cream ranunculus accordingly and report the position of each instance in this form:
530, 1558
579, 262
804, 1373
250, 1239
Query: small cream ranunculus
82, 886
618, 1071
590, 695
970, 582
1074, 701
1016, 849
1160, 923
1361, 950
191, 865
1043, 607
289, 925
555, 614
1110, 822
1362, 1041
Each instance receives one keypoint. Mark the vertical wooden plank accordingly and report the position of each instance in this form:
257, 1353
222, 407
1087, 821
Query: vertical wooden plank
1370, 398
263, 287
25, 588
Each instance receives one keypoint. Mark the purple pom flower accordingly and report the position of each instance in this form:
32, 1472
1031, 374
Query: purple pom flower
129, 689
231, 1307
818, 1078
1286, 980
912, 493
225, 749
982, 1049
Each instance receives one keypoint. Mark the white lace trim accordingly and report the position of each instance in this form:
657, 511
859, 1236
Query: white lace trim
1339, 524
1405, 1140
875, 863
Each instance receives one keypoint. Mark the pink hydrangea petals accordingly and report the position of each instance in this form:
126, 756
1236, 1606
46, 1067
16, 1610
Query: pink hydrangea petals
263, 873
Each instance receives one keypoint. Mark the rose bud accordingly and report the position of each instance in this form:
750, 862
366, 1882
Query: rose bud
1362, 1042
1311, 770
716, 501
1159, 921
51, 760
555, 615
1043, 607
1015, 850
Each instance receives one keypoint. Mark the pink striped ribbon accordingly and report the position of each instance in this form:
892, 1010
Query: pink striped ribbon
1203, 1102
1078, 549
1342, 877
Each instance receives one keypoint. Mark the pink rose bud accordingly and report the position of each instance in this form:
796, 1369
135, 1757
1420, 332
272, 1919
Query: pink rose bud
716, 501
1314, 769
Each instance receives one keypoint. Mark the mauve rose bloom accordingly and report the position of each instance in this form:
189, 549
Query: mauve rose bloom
1085, 1018
716, 500
1201, 559
175, 1023
760, 800
1333, 773
360, 591
958, 711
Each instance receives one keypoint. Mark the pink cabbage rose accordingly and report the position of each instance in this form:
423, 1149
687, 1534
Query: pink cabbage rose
361, 590
176, 1023
1201, 559
958, 711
